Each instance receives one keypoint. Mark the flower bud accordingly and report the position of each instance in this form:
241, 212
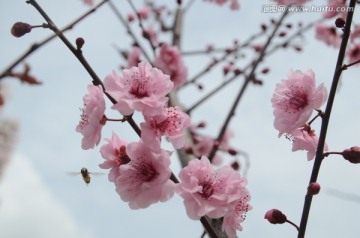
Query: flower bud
79, 42
235, 165
313, 188
352, 155
20, 28
339, 22
275, 216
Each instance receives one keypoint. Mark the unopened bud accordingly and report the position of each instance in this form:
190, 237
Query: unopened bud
20, 28
232, 151
235, 165
79, 42
339, 22
352, 155
202, 124
313, 188
263, 27
265, 70
275, 216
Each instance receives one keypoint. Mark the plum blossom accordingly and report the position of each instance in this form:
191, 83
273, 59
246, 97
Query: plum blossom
114, 153
234, 4
89, 2
354, 53
305, 139
142, 88
143, 12
133, 59
335, 7
236, 215
294, 100
150, 34
92, 117
171, 123
145, 179
327, 35
207, 191
170, 62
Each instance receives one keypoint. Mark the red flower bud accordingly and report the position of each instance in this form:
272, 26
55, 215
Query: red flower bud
352, 154
20, 28
313, 188
339, 22
275, 216
79, 42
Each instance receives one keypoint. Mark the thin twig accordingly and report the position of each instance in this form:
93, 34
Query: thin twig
36, 46
325, 122
128, 29
248, 79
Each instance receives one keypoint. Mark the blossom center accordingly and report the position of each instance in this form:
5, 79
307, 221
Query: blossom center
207, 189
139, 87
145, 172
122, 157
295, 99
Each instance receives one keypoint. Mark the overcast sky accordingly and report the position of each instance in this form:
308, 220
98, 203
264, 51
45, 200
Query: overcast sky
39, 200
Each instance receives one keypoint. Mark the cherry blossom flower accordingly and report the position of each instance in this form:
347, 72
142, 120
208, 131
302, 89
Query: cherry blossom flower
114, 153
171, 63
92, 117
354, 53
133, 58
142, 88
305, 139
145, 179
291, 2
234, 4
207, 191
236, 215
327, 35
355, 34
170, 123
143, 12
294, 100
89, 2
151, 35
334, 7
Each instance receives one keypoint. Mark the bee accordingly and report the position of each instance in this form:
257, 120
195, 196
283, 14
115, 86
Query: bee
85, 174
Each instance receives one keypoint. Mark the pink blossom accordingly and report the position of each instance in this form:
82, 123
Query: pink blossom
354, 53
236, 215
327, 35
151, 35
305, 139
92, 117
143, 12
291, 2
294, 100
234, 4
171, 63
89, 2
203, 146
207, 191
334, 8
171, 123
133, 58
114, 153
145, 179
142, 88
355, 34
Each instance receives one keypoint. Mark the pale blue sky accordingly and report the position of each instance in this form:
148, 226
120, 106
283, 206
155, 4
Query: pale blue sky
37, 192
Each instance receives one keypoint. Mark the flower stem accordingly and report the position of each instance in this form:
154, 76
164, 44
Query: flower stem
293, 224
324, 126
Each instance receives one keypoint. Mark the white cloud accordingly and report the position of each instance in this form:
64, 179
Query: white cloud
28, 209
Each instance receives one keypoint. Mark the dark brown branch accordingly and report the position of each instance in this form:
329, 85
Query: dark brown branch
36, 46
325, 120
248, 79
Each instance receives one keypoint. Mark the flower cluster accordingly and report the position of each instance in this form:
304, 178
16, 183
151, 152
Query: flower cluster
214, 193
293, 102
140, 170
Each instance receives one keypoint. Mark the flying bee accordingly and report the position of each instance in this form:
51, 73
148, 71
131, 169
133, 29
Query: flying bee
85, 174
